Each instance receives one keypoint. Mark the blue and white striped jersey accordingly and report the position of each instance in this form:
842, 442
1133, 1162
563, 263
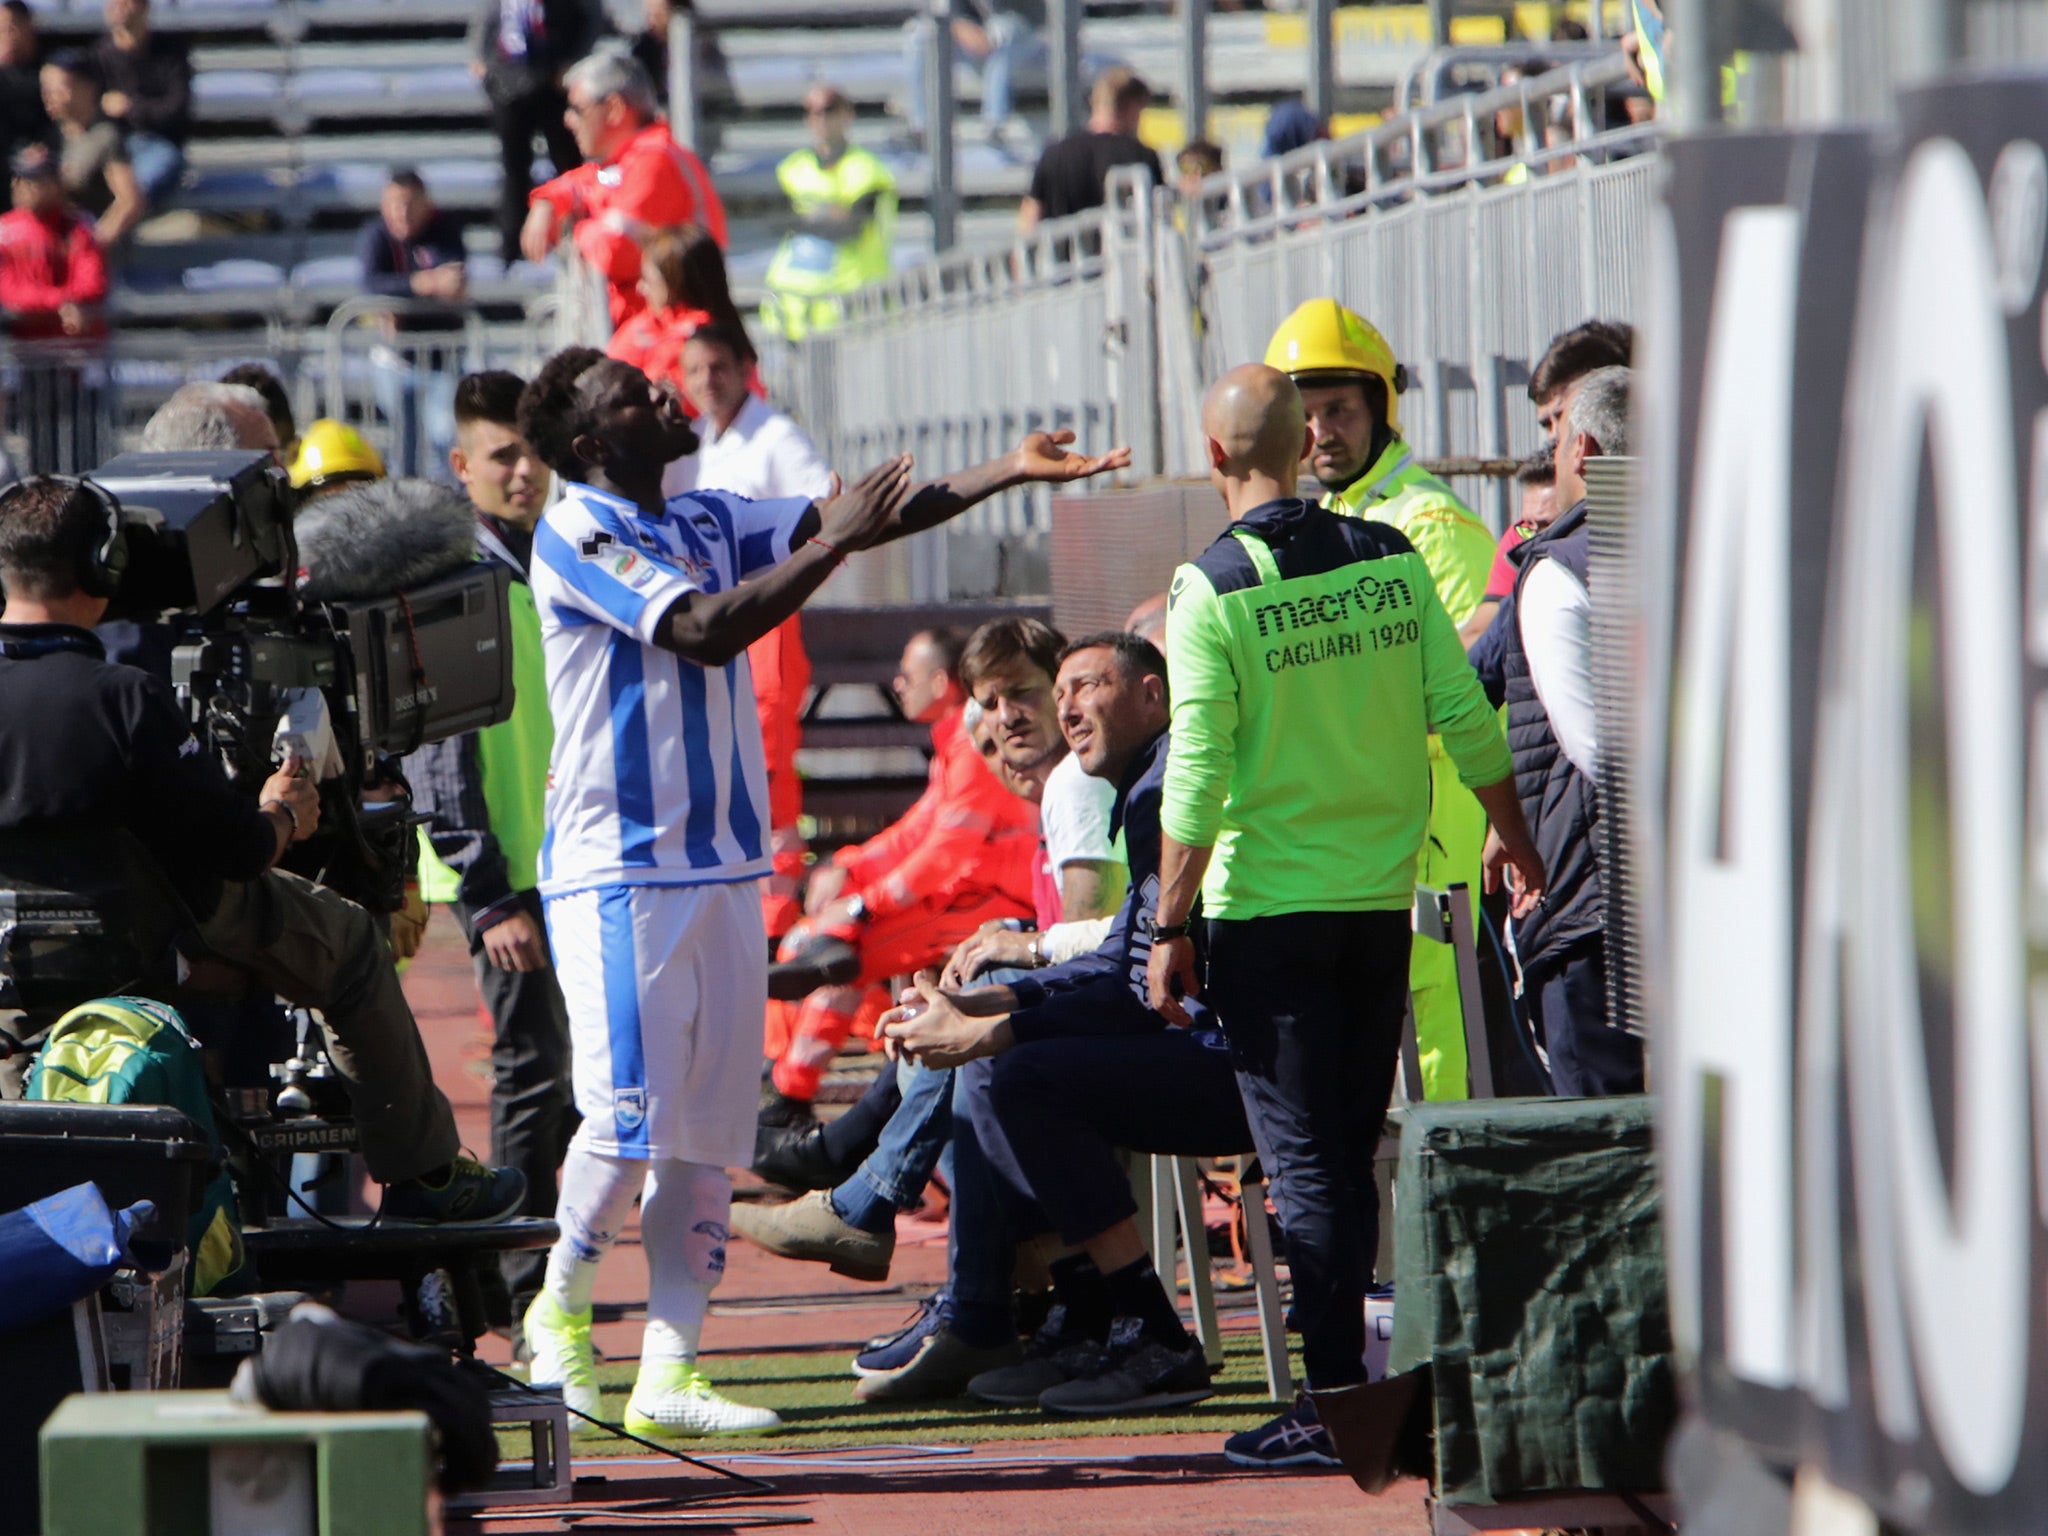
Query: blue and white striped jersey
657, 776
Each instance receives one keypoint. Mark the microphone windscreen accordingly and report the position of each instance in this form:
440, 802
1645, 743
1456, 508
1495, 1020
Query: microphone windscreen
380, 537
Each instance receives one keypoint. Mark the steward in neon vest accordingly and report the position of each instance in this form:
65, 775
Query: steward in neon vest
845, 205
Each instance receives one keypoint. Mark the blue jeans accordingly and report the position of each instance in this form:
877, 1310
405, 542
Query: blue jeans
895, 1173
158, 165
1017, 50
420, 405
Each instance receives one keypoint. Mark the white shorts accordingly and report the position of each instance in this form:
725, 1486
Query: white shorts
667, 986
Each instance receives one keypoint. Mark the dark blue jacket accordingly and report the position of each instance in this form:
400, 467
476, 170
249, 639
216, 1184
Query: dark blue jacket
1561, 805
1119, 961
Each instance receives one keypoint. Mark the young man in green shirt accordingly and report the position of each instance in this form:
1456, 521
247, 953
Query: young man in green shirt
1351, 391
1310, 661
482, 795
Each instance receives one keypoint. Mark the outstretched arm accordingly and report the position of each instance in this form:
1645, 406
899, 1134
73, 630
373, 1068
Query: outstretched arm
712, 629
1041, 457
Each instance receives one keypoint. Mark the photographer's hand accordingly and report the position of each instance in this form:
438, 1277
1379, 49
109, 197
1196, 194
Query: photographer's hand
514, 943
293, 801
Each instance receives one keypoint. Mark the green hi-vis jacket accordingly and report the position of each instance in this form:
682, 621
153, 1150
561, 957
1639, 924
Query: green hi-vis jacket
1310, 661
1455, 545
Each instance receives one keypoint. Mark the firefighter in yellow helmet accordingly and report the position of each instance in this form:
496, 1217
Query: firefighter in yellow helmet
332, 454
1351, 386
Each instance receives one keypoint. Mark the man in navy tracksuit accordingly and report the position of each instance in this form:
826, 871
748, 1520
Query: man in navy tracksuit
1064, 1066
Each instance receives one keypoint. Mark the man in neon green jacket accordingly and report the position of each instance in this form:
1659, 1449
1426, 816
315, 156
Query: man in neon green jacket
1309, 661
482, 796
1351, 389
844, 200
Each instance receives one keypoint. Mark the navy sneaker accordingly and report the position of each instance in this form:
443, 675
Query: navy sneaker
1136, 1373
467, 1195
893, 1351
1296, 1438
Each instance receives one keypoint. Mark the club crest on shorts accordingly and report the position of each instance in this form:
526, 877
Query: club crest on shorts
629, 1108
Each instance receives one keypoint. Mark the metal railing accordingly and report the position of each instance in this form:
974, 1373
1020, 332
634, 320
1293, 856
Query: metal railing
1470, 231
1467, 251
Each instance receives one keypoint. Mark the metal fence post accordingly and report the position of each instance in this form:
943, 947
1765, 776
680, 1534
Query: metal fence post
1063, 40
1322, 59
685, 122
1194, 68
942, 200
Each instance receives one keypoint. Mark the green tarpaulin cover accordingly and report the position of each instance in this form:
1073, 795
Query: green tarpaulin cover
1529, 1275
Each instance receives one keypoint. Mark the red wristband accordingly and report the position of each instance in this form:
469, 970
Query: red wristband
831, 549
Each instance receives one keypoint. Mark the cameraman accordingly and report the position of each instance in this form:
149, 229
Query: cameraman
85, 742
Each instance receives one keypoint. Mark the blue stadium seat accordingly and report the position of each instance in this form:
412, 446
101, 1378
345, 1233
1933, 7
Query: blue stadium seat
233, 274
233, 93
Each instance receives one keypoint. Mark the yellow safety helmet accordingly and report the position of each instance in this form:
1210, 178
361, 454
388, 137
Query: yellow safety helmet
332, 452
1323, 338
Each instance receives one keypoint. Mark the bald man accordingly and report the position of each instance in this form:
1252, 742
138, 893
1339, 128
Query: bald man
1309, 659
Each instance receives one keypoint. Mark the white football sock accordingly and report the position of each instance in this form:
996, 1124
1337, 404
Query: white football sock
597, 1197
683, 1229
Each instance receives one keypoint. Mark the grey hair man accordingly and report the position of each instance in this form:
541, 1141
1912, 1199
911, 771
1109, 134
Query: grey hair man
1548, 666
202, 415
635, 179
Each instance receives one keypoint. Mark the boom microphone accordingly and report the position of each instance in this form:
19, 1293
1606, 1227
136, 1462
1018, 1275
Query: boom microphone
382, 537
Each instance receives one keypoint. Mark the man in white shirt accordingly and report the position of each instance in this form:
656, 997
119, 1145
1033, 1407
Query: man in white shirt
655, 847
746, 444
749, 448
1548, 666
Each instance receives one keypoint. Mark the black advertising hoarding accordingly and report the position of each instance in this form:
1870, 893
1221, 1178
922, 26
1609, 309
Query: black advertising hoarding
1844, 547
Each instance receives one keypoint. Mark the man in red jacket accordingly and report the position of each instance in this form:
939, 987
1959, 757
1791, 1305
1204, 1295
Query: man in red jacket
53, 277
634, 179
961, 856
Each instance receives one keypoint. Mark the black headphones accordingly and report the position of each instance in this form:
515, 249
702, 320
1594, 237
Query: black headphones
101, 567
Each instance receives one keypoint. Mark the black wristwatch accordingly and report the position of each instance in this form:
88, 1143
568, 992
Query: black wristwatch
1165, 931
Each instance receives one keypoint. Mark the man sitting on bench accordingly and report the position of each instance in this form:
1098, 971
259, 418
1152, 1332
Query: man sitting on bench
961, 856
1059, 1069
86, 743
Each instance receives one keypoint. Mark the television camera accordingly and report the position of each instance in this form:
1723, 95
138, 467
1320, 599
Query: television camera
212, 577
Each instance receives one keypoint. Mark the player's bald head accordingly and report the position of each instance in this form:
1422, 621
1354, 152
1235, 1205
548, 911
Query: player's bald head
1253, 415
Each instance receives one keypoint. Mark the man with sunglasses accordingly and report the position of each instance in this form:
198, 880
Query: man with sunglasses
634, 179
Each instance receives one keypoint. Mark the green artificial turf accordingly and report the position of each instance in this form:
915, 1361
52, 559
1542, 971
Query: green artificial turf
814, 1394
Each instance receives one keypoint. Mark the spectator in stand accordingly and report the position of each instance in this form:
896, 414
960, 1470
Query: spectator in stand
999, 38
1561, 944
844, 202
520, 50
1289, 126
683, 287
92, 158
650, 47
1198, 160
23, 118
1071, 174
412, 249
634, 180
1536, 478
277, 404
147, 81
53, 275
759, 453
